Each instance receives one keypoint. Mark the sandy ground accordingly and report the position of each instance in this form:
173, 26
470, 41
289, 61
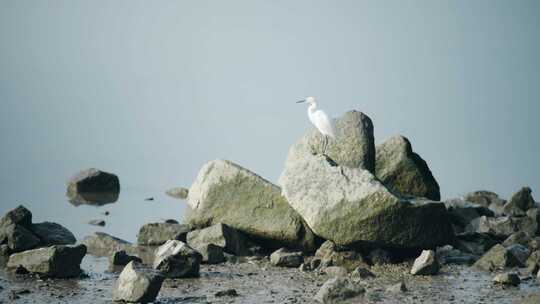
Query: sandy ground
259, 282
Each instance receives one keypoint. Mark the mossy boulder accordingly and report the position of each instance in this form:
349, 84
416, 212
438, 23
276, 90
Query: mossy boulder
349, 205
404, 171
224, 192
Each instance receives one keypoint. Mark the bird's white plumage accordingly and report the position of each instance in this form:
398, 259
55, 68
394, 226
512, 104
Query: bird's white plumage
322, 122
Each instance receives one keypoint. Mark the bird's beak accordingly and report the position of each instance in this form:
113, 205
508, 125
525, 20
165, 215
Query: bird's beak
300, 101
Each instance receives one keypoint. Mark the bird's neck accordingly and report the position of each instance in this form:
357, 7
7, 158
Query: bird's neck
312, 107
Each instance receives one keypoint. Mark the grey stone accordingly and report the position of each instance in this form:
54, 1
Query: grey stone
520, 237
475, 243
179, 192
348, 205
507, 279
331, 254
362, 273
211, 254
497, 258
121, 258
57, 261
18, 216
448, 255
335, 271
462, 212
286, 258
177, 260
102, 244
137, 284
19, 238
53, 234
397, 288
485, 198
520, 202
404, 171
530, 299
521, 252
502, 227
155, 234
231, 240
340, 290
93, 180
425, 264
224, 192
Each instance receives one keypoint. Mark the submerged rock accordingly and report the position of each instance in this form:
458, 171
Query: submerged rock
497, 258
137, 284
425, 264
53, 234
224, 192
93, 180
179, 192
404, 171
231, 240
177, 260
286, 258
347, 205
507, 279
57, 261
97, 223
155, 234
102, 244
340, 290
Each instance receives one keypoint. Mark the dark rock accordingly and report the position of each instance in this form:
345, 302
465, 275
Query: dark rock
53, 234
19, 238
285, 258
340, 290
97, 223
224, 192
57, 261
18, 216
521, 252
462, 212
137, 284
334, 255
226, 293
92, 198
534, 244
4, 250
177, 260
231, 240
148, 199
380, 257
404, 171
121, 258
171, 221
93, 180
475, 243
179, 192
362, 273
349, 206
497, 258
155, 234
425, 264
507, 279
502, 227
211, 254
102, 244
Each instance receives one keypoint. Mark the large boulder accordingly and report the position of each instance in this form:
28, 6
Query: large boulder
103, 244
231, 240
404, 171
497, 258
349, 205
137, 284
53, 234
93, 180
354, 145
155, 234
177, 260
56, 261
224, 192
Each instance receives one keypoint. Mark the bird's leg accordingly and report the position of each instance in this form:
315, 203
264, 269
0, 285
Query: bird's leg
325, 146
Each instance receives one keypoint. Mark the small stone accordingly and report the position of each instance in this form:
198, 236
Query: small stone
226, 293
397, 288
149, 199
97, 223
121, 258
521, 252
285, 258
362, 273
179, 192
102, 244
425, 264
507, 279
155, 234
137, 284
340, 290
211, 254
177, 260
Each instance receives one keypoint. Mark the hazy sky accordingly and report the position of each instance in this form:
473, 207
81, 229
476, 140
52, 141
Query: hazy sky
151, 90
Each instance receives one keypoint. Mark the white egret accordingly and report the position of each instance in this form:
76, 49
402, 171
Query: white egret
320, 120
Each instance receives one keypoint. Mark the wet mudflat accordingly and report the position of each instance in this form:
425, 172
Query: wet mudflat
256, 281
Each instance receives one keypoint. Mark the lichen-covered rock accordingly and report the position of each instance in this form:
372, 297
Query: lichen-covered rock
53, 234
155, 234
224, 192
57, 261
334, 255
520, 202
347, 205
179, 192
286, 258
93, 180
426, 264
497, 258
102, 244
177, 260
519, 237
137, 284
340, 290
507, 279
404, 171
231, 240
484, 198
354, 145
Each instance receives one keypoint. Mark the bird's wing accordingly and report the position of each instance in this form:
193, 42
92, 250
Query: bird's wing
324, 124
